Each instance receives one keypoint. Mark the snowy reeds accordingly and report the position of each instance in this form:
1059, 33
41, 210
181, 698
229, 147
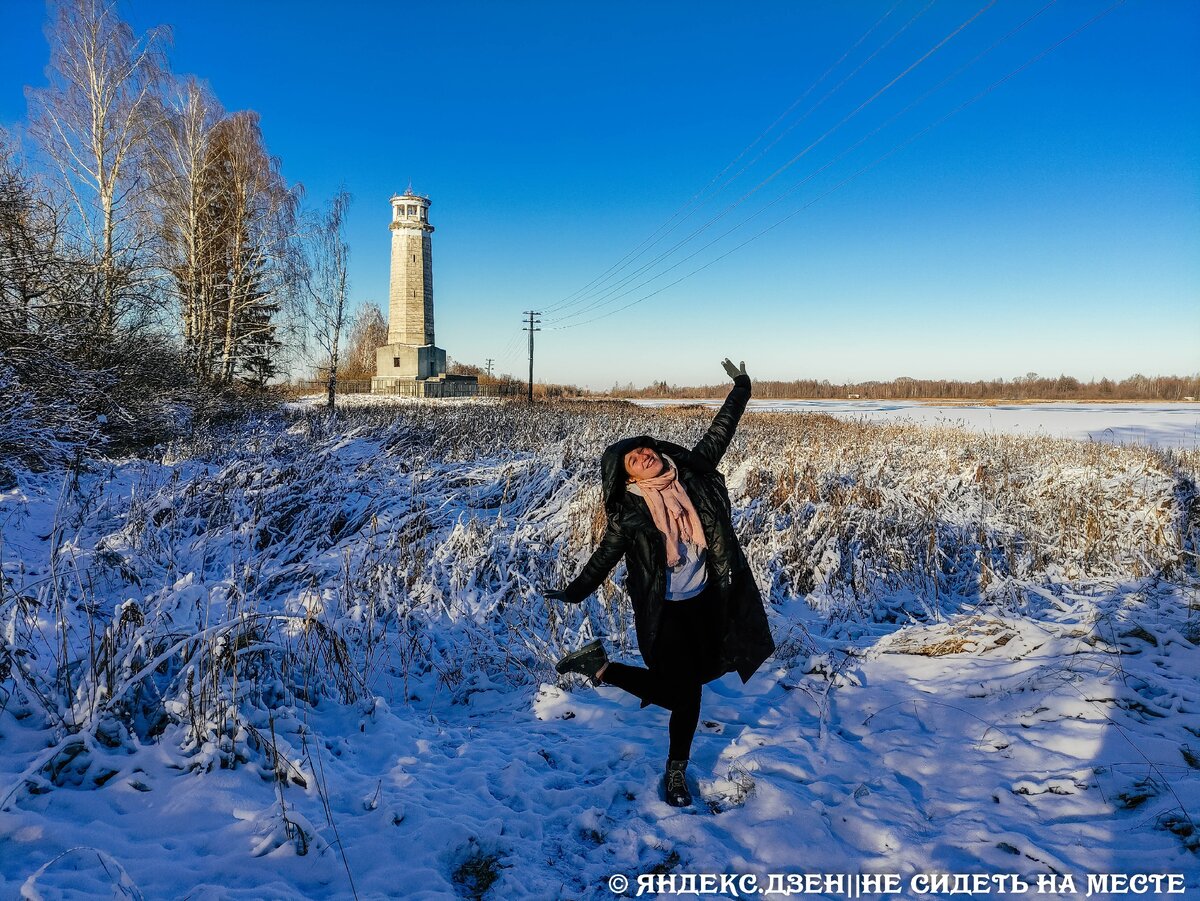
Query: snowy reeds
860, 515
308, 556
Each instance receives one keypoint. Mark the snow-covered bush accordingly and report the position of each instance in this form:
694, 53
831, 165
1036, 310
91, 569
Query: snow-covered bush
62, 400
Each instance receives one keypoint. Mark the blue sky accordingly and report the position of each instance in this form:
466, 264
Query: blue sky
1050, 226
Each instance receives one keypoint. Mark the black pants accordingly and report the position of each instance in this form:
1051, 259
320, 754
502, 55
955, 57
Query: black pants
685, 657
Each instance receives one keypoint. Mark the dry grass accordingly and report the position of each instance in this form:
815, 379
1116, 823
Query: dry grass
315, 554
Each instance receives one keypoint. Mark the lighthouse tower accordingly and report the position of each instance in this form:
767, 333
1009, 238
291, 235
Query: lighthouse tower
410, 312
410, 363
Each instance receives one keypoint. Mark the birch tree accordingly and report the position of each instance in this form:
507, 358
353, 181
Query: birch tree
94, 120
184, 177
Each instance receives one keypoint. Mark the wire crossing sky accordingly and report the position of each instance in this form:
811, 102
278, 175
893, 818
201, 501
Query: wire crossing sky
844, 191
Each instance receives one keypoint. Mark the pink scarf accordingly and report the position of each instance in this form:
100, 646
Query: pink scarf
672, 511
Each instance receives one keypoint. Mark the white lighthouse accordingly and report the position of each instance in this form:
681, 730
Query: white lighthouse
411, 363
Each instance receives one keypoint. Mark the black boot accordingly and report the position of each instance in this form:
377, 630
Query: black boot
675, 784
586, 661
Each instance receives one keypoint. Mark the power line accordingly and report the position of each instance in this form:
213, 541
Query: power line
820, 102
609, 297
836, 159
897, 148
686, 209
511, 349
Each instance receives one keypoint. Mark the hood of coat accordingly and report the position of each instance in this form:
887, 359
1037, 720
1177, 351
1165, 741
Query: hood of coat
612, 466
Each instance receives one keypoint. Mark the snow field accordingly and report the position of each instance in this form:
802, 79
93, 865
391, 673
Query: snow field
1165, 425
310, 659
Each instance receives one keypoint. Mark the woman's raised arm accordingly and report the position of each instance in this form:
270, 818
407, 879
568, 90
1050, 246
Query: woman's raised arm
716, 440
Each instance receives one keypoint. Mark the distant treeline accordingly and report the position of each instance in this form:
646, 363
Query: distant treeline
505, 383
1027, 387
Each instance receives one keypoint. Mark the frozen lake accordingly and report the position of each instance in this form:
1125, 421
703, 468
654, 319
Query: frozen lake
1175, 425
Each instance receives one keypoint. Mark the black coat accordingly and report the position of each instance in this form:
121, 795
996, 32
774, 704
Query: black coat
630, 532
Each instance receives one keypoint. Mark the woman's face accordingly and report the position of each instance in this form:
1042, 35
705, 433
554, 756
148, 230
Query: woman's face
643, 463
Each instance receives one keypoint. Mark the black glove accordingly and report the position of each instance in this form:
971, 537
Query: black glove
555, 595
734, 371
737, 373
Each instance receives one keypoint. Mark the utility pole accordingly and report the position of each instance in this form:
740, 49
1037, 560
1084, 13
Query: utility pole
531, 329
490, 361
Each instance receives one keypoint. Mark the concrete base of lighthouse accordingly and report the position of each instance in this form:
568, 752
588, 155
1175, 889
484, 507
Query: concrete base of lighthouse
412, 370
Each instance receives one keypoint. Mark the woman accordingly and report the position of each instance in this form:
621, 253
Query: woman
697, 611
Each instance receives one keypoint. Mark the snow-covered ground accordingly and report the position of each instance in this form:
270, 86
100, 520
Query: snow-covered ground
1159, 424
310, 659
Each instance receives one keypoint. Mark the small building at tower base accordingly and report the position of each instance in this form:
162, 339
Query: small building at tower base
398, 373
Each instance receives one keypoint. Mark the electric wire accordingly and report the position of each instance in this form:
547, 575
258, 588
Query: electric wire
510, 353
903, 144
840, 156
686, 209
589, 294
818, 104
609, 297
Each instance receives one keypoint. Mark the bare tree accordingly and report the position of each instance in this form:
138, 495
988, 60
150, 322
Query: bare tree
327, 284
368, 333
94, 120
31, 275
